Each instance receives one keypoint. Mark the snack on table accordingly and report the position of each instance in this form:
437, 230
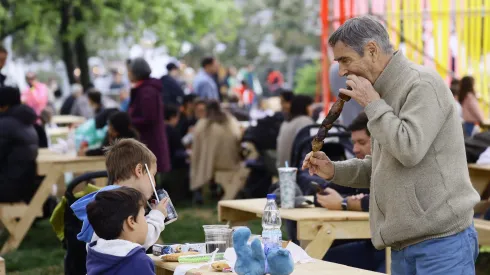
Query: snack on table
174, 257
201, 258
219, 266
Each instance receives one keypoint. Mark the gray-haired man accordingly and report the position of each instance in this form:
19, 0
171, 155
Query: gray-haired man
421, 196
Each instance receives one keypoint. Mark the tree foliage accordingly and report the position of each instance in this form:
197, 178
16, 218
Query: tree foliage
40, 27
306, 79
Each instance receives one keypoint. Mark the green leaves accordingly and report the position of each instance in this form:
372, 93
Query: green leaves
306, 79
173, 22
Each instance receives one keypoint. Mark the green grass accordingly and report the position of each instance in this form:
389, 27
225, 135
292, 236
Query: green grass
41, 253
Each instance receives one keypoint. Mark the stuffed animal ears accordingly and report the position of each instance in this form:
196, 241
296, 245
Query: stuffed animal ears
241, 236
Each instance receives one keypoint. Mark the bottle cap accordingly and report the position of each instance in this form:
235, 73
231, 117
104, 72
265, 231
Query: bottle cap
271, 196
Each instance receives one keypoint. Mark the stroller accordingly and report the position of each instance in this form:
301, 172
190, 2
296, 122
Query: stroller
337, 146
76, 252
263, 138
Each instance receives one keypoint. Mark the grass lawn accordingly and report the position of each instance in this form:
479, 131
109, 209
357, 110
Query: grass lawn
41, 252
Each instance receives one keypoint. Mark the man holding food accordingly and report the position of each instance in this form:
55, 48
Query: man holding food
421, 196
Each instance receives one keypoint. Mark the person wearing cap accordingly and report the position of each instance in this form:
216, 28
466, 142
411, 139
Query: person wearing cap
146, 111
172, 92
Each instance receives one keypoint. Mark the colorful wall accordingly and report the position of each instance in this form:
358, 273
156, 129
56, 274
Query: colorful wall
452, 36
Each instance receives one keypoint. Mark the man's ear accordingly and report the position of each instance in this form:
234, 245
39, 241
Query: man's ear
372, 51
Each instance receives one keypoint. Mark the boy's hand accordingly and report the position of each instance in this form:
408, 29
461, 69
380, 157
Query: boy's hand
162, 206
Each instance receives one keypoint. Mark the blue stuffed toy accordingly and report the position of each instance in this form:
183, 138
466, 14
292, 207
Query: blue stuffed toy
251, 259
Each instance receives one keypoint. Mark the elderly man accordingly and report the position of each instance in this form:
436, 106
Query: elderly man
421, 196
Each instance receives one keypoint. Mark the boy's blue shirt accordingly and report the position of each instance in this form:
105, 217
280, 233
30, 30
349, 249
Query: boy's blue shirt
80, 210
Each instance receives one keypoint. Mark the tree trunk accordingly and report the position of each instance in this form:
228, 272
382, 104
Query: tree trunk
67, 51
82, 53
82, 59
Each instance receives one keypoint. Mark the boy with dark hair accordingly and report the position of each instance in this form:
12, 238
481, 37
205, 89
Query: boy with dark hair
118, 217
126, 162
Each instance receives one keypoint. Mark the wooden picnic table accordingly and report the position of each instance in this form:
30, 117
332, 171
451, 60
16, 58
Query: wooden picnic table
480, 176
318, 227
53, 166
316, 267
67, 119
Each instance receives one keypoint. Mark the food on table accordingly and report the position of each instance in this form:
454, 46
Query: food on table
174, 257
220, 266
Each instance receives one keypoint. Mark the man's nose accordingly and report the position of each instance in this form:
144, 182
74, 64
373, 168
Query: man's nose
356, 149
342, 71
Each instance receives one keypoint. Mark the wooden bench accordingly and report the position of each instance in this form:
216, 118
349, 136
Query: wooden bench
10, 217
483, 229
2, 266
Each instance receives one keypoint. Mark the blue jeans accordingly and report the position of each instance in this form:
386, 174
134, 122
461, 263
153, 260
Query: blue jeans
455, 254
468, 128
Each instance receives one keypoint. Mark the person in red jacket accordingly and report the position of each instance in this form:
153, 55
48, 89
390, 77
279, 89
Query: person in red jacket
146, 111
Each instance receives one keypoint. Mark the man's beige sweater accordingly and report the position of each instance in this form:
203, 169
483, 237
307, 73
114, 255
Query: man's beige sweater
418, 175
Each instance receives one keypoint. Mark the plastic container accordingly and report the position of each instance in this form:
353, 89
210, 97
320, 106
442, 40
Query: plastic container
271, 227
171, 212
287, 184
217, 236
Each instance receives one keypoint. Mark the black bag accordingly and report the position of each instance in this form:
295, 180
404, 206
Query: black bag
476, 145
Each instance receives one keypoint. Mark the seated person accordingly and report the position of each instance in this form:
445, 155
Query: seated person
125, 161
118, 217
186, 118
178, 154
299, 117
18, 147
216, 146
119, 127
95, 101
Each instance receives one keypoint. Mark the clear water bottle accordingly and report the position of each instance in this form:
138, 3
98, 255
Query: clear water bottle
271, 227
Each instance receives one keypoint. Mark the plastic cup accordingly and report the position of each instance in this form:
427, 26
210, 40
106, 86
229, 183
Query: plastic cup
287, 184
217, 236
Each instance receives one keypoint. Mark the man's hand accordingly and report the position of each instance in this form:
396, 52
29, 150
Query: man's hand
332, 201
318, 163
162, 207
362, 90
357, 197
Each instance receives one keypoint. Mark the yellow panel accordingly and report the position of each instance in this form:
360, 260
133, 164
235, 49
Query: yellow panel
407, 29
396, 23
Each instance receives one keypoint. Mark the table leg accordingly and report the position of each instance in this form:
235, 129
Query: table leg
388, 260
321, 243
27, 219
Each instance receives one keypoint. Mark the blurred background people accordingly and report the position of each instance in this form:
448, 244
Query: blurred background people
146, 111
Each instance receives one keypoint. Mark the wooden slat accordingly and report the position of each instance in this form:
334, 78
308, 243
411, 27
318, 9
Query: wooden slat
308, 230
15, 210
2, 266
483, 229
316, 267
297, 214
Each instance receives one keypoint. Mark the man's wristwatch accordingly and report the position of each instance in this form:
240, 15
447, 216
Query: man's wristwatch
344, 204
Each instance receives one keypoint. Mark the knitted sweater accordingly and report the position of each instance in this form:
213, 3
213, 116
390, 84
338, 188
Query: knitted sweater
418, 175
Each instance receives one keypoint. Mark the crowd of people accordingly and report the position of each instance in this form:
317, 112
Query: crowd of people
401, 142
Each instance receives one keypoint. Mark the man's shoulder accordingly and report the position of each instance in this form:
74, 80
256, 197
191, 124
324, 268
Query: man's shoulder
425, 75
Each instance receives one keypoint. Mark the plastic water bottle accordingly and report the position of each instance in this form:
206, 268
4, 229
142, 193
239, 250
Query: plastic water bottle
271, 227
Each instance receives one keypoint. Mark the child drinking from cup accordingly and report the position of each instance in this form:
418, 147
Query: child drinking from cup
125, 162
